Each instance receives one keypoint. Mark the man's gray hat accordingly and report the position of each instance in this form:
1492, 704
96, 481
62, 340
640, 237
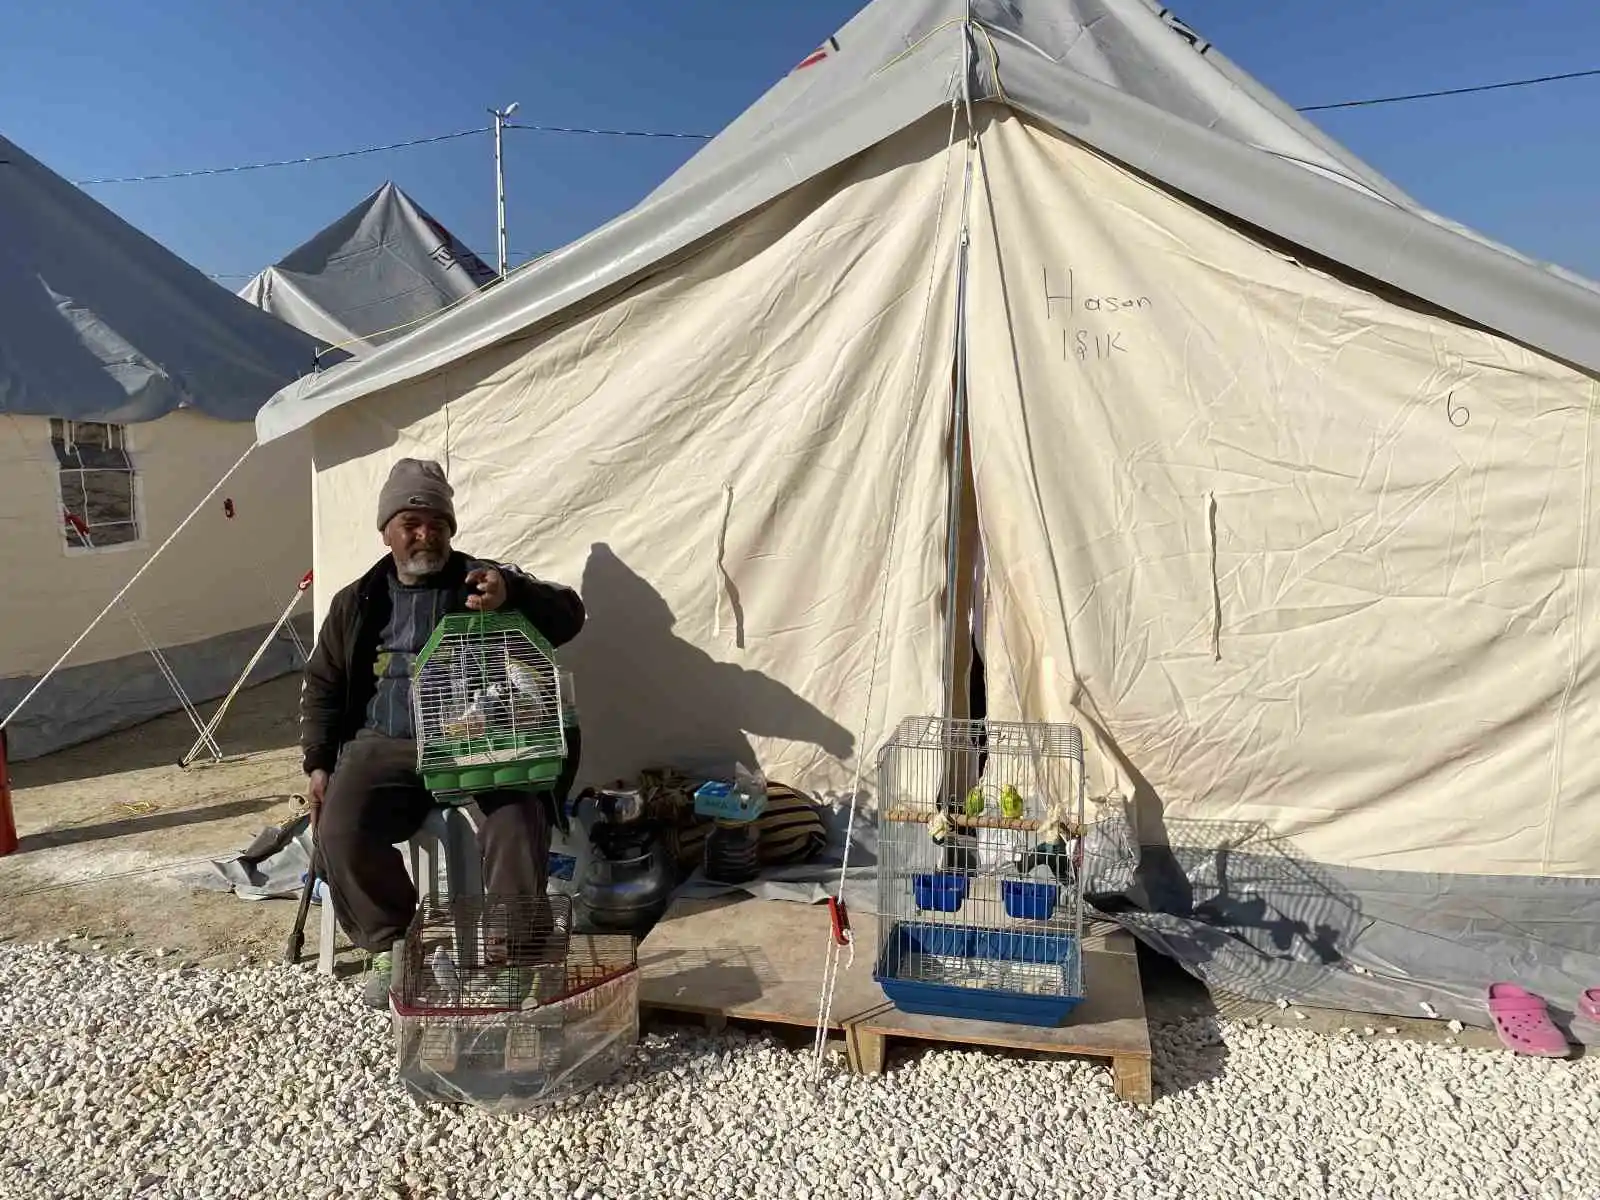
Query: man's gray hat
416, 483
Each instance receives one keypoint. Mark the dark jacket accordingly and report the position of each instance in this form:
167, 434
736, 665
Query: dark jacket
339, 678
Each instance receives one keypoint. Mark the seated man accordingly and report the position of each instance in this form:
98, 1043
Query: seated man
356, 726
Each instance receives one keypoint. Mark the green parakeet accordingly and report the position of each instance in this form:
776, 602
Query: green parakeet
1011, 803
974, 805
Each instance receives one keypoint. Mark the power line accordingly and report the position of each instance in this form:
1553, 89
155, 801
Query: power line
685, 136
406, 145
628, 133
285, 162
1461, 91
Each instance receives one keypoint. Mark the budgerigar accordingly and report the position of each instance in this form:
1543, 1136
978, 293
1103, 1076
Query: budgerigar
1050, 833
522, 676
938, 827
470, 723
1011, 803
974, 804
445, 971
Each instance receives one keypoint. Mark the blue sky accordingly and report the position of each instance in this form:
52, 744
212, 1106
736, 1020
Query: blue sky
100, 88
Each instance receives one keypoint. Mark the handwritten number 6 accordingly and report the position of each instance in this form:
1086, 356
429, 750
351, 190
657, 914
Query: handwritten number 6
1458, 414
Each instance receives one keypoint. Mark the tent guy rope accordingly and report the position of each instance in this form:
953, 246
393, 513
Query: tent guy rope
127, 587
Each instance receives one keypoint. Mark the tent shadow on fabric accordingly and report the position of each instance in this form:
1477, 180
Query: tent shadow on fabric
648, 698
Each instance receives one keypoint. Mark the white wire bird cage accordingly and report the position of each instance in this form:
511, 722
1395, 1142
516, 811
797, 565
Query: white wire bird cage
488, 706
498, 1004
980, 888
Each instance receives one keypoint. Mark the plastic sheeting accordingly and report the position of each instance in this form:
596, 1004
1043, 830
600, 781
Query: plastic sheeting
509, 1062
373, 275
1245, 912
81, 703
99, 322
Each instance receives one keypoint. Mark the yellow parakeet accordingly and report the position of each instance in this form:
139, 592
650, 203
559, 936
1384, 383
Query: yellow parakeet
974, 805
1011, 803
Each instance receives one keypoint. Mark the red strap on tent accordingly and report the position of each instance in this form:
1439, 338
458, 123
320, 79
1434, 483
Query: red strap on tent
8, 823
76, 522
840, 917
305, 583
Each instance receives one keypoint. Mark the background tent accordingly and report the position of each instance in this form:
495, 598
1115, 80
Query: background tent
375, 273
128, 385
1280, 484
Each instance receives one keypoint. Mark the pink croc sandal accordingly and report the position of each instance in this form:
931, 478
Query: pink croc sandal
1523, 1022
1589, 1005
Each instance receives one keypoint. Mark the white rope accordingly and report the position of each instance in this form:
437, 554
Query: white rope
115, 600
162, 665
205, 738
171, 677
830, 971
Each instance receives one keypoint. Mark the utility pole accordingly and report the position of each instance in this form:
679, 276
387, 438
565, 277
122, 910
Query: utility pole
501, 116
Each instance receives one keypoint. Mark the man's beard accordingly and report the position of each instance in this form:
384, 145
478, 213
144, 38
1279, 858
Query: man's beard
421, 562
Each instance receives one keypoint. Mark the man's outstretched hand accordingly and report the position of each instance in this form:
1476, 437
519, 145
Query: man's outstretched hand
491, 589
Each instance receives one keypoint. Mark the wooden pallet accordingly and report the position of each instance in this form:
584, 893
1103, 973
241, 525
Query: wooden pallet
762, 960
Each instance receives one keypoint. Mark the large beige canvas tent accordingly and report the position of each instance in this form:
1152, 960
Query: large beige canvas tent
1280, 484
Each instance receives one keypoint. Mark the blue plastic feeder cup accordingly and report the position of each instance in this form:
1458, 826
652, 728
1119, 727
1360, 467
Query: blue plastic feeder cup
1027, 900
939, 893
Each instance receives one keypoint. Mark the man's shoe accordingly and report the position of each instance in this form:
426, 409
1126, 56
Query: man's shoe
380, 970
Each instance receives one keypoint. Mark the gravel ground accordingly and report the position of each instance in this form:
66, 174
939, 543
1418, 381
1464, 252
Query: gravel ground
122, 1078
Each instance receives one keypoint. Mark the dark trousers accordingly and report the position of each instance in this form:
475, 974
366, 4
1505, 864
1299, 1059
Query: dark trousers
375, 799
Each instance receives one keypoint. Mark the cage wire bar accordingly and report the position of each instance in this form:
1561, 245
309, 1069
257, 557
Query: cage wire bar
980, 874
488, 706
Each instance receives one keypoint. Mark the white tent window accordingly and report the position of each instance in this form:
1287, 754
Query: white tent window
99, 487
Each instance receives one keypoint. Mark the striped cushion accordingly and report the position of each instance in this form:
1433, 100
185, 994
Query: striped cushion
792, 830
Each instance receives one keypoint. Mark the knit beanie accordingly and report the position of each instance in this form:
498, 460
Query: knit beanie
416, 483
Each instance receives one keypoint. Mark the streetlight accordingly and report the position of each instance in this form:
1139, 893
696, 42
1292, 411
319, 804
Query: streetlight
501, 116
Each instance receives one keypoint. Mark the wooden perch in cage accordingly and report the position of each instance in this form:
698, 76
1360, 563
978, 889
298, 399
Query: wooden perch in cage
922, 816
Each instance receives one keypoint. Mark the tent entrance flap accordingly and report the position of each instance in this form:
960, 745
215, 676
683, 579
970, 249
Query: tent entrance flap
963, 583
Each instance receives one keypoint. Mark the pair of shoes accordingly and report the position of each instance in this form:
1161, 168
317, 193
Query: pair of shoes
380, 971
1523, 1022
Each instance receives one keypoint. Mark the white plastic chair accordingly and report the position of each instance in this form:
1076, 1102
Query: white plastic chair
443, 858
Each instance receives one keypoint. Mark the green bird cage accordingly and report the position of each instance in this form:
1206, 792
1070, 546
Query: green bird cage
487, 703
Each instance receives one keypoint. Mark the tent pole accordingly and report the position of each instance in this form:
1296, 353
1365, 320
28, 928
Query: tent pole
115, 600
206, 735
